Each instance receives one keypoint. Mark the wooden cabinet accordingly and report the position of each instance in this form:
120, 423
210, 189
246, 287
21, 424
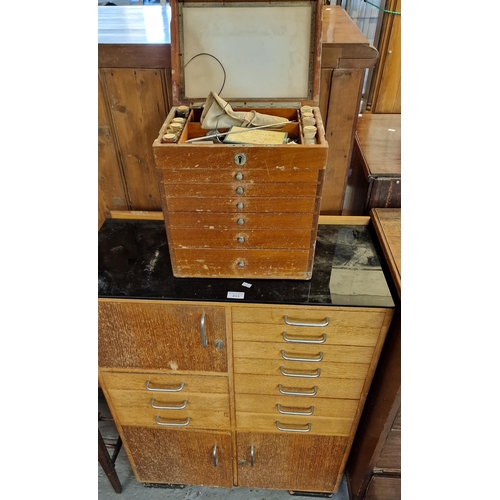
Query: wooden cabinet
257, 395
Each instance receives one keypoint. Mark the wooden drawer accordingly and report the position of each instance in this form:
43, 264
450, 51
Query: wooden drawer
207, 173
166, 383
338, 332
230, 221
248, 189
264, 422
275, 351
343, 388
320, 320
296, 370
320, 407
242, 205
158, 335
252, 238
244, 263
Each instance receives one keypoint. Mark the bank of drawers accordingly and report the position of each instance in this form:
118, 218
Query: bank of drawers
170, 401
301, 371
256, 220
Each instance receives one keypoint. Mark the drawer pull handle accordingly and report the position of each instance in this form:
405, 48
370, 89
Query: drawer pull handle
177, 407
203, 335
326, 322
177, 389
173, 424
289, 412
292, 429
295, 393
214, 456
322, 340
315, 359
252, 457
300, 375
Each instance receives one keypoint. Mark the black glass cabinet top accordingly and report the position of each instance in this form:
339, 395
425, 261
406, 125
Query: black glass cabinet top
134, 263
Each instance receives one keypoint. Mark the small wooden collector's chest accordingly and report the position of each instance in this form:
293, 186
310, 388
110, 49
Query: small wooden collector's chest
247, 205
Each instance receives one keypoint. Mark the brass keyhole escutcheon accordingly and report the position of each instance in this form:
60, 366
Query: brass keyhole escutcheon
240, 159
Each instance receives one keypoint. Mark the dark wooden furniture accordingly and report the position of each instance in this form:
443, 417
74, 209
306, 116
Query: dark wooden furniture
375, 174
107, 462
135, 97
214, 382
374, 466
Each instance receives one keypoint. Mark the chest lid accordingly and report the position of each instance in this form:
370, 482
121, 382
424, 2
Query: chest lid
260, 53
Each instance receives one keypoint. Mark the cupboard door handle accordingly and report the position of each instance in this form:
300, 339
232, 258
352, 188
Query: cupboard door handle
286, 412
326, 322
315, 359
178, 407
214, 456
203, 336
177, 389
292, 393
252, 458
292, 429
305, 341
173, 424
301, 375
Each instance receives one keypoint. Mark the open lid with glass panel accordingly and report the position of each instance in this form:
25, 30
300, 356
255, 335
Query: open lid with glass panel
265, 54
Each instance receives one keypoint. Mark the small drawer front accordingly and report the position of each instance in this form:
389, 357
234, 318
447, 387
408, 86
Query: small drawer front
160, 335
240, 188
242, 205
342, 388
263, 422
282, 353
246, 173
304, 406
247, 221
312, 321
239, 239
270, 264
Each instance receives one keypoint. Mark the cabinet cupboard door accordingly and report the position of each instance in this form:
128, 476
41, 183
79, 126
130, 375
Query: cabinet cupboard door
289, 461
180, 457
158, 335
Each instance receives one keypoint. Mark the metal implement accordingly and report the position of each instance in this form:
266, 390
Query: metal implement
286, 357
203, 335
252, 457
176, 407
322, 340
292, 429
326, 322
173, 424
300, 375
214, 456
177, 389
310, 411
295, 393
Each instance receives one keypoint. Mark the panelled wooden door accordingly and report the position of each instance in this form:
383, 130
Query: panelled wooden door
289, 461
181, 457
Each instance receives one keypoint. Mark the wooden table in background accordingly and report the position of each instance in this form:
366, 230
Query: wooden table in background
375, 176
374, 466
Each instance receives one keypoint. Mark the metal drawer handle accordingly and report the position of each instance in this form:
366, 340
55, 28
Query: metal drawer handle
292, 429
173, 424
326, 322
294, 393
178, 389
289, 412
214, 456
305, 341
252, 457
203, 336
286, 357
301, 375
178, 407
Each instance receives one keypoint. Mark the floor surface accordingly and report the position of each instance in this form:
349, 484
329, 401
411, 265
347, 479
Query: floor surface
133, 490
